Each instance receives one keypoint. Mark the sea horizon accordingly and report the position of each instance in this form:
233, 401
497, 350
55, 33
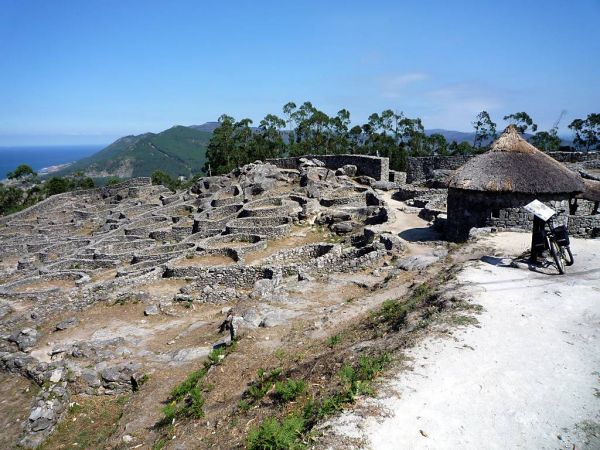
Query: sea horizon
42, 156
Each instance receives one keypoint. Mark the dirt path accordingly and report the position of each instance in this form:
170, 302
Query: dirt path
527, 378
408, 225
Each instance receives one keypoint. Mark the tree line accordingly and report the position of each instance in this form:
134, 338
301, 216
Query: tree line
306, 130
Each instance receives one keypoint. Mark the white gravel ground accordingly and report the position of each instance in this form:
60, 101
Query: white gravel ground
526, 378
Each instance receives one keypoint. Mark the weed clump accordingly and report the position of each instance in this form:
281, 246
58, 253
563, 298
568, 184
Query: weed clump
263, 384
334, 340
273, 434
186, 399
287, 434
393, 313
289, 390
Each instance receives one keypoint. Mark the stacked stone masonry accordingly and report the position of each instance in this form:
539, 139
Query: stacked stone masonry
102, 245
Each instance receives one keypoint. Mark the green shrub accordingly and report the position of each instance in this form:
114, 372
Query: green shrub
273, 434
186, 398
21, 171
289, 390
393, 313
355, 381
334, 340
243, 405
264, 382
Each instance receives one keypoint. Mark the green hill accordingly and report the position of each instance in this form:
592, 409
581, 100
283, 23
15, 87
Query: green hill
176, 151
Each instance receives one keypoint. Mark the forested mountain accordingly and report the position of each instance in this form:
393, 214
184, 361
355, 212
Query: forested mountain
177, 151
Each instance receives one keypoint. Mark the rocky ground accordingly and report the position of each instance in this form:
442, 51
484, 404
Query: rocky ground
112, 297
115, 299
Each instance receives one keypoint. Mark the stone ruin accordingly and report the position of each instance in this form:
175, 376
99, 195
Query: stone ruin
227, 240
224, 240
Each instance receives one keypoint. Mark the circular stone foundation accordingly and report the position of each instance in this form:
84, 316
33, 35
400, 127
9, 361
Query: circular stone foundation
45, 283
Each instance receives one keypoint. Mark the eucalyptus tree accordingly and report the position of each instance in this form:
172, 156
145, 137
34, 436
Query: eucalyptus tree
219, 153
288, 111
437, 145
355, 139
522, 121
547, 141
485, 130
339, 134
587, 132
268, 140
462, 148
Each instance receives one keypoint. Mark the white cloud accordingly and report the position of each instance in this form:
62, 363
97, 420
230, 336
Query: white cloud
394, 86
455, 105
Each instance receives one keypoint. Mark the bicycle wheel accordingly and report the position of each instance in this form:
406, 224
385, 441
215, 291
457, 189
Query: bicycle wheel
568, 255
557, 256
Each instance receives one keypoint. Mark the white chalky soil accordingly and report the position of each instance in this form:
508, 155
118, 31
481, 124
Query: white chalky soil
526, 378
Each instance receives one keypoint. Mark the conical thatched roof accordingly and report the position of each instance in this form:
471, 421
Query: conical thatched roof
592, 190
514, 165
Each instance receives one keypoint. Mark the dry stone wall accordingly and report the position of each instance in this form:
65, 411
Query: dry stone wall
371, 166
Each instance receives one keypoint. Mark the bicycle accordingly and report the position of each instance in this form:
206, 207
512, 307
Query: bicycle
555, 239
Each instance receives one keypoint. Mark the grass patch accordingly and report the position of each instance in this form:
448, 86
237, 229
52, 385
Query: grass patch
462, 320
289, 390
186, 399
274, 434
393, 313
334, 340
263, 384
288, 433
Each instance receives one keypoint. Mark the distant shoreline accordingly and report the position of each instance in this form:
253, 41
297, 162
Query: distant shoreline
44, 159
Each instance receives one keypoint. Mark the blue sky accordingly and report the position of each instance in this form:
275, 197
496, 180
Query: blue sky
90, 71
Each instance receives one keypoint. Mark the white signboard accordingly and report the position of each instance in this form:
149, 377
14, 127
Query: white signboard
540, 210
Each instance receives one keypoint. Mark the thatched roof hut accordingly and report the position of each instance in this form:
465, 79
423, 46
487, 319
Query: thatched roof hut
514, 165
491, 189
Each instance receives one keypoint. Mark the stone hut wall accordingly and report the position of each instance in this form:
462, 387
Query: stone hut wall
62, 199
372, 166
397, 177
474, 209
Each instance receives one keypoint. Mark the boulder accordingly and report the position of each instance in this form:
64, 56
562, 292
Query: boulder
364, 179
67, 323
416, 262
342, 227
392, 243
25, 339
252, 317
384, 185
349, 170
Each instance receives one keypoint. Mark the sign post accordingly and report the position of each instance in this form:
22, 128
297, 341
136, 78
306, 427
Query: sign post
541, 214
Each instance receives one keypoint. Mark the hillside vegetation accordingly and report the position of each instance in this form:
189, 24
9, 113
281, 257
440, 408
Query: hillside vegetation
177, 151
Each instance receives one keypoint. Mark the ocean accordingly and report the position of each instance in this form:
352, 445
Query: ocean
39, 157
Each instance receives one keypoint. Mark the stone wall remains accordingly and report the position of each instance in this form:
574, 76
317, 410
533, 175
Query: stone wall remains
372, 166
420, 169
575, 157
397, 177
584, 226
